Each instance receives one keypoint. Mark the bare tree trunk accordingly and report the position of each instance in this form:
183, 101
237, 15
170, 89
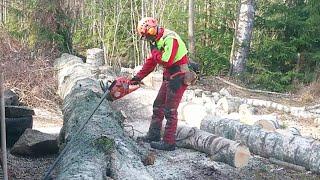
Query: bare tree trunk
292, 149
1, 11
153, 8
243, 33
191, 28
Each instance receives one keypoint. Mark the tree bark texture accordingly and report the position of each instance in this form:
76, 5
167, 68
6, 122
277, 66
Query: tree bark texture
243, 36
100, 150
292, 149
191, 28
221, 149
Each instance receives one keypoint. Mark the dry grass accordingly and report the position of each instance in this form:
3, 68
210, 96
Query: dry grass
31, 76
310, 93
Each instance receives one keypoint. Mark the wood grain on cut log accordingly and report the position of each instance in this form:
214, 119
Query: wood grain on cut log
191, 113
267, 122
292, 149
221, 149
100, 150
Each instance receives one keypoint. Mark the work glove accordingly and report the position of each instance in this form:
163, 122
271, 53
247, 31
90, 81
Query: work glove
135, 80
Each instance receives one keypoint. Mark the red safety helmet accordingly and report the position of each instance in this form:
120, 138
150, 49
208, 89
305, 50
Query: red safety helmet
147, 27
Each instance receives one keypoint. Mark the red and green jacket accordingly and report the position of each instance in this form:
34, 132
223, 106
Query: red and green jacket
171, 50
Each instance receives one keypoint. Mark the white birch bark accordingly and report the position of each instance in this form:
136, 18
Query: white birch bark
191, 28
292, 149
243, 35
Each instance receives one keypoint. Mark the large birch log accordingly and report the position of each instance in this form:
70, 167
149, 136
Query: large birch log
220, 149
100, 150
292, 149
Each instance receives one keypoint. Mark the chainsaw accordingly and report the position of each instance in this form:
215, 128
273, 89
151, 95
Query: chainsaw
119, 87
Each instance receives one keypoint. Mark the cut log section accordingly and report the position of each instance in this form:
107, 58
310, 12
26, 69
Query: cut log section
267, 122
227, 105
191, 113
292, 149
221, 149
100, 150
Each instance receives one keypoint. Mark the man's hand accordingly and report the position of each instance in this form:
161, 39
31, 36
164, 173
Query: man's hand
135, 80
156, 55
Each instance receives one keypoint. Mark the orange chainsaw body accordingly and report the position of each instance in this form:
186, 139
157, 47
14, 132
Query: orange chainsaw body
120, 87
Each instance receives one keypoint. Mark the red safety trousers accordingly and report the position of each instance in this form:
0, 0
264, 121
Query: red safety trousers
165, 106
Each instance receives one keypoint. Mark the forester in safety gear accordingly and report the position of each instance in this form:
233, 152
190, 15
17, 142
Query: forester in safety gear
168, 50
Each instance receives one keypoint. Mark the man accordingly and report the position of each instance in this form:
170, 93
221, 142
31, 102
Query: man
168, 50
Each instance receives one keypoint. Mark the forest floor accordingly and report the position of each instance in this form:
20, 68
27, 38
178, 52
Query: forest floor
181, 163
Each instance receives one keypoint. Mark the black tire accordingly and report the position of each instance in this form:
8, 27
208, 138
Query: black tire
18, 125
15, 127
18, 111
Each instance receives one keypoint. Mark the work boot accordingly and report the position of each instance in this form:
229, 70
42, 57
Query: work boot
161, 145
148, 138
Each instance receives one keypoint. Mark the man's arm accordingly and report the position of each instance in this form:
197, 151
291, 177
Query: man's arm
147, 68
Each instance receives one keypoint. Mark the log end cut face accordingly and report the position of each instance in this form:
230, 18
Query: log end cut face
242, 156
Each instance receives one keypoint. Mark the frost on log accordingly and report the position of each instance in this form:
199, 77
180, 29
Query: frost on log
288, 148
100, 150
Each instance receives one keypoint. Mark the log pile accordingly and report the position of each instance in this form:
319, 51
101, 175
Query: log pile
100, 150
292, 149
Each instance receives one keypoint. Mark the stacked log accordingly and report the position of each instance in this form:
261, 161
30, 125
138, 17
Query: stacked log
220, 149
100, 150
95, 57
268, 122
292, 149
227, 105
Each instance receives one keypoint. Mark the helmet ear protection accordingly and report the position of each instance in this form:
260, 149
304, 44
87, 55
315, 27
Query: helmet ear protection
152, 31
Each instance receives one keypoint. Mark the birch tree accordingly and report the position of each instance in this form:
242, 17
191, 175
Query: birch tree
191, 28
243, 33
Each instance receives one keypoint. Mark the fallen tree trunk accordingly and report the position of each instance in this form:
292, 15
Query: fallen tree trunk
100, 150
292, 149
221, 149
